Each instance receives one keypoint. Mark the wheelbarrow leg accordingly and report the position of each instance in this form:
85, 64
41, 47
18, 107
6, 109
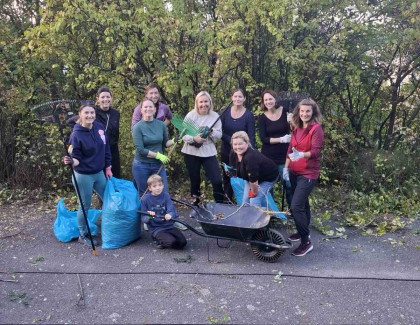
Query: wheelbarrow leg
208, 249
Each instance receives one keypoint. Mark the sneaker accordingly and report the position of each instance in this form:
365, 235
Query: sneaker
303, 249
294, 237
145, 227
85, 240
158, 246
180, 226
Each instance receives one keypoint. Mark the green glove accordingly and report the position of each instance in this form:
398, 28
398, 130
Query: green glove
176, 139
164, 159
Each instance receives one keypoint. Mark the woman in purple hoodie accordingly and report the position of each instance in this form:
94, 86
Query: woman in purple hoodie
90, 156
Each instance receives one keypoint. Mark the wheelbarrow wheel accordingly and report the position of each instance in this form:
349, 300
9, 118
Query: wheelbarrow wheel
266, 253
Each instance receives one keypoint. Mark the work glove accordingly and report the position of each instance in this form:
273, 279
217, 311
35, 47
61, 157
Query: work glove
295, 155
163, 159
286, 138
176, 139
229, 171
108, 172
286, 175
251, 194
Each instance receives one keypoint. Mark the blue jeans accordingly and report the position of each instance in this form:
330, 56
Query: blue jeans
142, 171
263, 189
88, 184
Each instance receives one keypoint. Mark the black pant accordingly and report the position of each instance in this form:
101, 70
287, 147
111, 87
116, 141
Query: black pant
301, 212
226, 179
171, 238
115, 161
211, 167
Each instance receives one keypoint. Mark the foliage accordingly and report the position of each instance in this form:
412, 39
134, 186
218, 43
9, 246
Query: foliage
359, 60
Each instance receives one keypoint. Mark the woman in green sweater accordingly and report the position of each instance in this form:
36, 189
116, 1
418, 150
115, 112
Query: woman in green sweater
150, 138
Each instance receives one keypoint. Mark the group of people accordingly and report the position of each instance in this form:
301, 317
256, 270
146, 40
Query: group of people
291, 148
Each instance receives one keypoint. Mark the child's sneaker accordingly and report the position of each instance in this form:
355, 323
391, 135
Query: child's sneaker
85, 240
158, 246
180, 226
303, 249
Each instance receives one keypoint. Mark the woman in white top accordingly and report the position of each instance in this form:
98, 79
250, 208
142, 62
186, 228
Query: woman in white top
200, 151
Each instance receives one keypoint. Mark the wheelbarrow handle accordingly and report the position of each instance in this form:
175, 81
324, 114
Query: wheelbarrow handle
194, 207
151, 217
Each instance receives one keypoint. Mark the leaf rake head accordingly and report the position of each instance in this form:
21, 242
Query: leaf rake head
289, 100
59, 110
185, 125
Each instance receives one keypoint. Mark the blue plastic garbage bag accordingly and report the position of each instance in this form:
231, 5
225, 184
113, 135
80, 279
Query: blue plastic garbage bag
120, 222
65, 225
238, 185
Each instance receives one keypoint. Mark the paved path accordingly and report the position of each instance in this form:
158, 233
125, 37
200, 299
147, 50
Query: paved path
359, 280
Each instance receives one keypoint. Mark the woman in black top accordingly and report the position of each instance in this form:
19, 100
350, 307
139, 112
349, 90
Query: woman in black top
274, 132
236, 118
110, 118
259, 172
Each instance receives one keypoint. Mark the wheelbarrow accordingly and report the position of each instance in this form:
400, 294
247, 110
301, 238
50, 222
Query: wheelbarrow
241, 223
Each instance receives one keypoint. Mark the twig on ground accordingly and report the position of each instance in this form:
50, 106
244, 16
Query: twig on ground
82, 295
11, 235
4, 280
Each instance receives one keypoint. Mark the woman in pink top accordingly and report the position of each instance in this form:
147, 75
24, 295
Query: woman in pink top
302, 168
163, 113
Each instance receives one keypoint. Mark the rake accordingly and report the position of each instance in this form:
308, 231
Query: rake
58, 112
289, 99
185, 126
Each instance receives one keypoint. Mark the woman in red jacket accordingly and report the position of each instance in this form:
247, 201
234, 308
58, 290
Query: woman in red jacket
302, 168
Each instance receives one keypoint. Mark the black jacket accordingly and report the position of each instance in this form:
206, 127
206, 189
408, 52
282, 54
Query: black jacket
254, 166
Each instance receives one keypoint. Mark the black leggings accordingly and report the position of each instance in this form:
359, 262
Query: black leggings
171, 238
211, 167
301, 211
226, 179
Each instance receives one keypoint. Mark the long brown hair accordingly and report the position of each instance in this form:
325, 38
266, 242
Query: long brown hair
316, 113
272, 93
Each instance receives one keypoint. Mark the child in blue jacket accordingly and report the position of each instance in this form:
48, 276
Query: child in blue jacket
158, 203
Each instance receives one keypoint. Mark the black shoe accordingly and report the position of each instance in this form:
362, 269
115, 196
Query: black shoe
157, 245
294, 237
303, 249
85, 240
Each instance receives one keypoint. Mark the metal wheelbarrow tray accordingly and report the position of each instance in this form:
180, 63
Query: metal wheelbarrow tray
245, 223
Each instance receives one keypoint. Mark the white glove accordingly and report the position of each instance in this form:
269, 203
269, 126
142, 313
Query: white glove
286, 176
295, 155
285, 139
289, 117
